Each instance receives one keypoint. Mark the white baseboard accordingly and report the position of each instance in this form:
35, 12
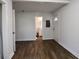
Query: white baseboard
32, 39
72, 52
47, 38
25, 39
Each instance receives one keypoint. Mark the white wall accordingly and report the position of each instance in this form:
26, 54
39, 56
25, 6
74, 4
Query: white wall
7, 29
67, 27
25, 25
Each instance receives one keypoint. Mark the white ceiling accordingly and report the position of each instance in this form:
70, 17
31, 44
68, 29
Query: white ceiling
37, 6
44, 0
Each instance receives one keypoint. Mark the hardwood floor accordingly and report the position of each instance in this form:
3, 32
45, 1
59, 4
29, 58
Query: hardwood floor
40, 49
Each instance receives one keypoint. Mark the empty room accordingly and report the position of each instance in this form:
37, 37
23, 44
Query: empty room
43, 30
39, 29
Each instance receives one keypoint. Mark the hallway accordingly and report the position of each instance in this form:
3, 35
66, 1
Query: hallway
39, 49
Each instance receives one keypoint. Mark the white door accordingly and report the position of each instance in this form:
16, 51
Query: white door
13, 26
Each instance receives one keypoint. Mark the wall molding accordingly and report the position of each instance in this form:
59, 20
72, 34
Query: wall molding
68, 49
33, 39
47, 38
53, 1
25, 39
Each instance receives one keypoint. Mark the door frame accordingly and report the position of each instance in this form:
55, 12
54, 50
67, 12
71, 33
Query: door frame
3, 2
41, 26
13, 29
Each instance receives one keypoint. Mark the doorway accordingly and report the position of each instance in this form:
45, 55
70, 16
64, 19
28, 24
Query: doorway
38, 26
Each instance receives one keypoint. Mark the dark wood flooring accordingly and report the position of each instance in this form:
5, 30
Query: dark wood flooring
40, 49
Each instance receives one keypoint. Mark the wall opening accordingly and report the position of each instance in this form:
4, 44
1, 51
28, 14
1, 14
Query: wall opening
38, 25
